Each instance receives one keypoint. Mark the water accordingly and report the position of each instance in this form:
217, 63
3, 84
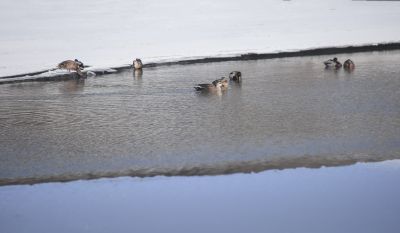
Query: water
359, 198
287, 113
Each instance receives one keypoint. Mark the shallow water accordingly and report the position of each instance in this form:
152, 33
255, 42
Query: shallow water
359, 198
287, 113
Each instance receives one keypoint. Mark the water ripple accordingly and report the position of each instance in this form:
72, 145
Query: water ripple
119, 124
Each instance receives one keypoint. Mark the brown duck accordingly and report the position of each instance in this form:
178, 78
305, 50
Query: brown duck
71, 65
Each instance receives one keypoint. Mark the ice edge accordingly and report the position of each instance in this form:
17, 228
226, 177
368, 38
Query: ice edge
48, 75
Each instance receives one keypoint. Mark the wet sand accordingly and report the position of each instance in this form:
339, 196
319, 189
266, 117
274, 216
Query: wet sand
357, 198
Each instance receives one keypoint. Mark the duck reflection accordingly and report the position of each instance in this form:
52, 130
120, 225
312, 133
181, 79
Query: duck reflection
137, 74
73, 86
211, 93
331, 72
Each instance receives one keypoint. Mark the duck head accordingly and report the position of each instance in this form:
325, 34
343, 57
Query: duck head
80, 64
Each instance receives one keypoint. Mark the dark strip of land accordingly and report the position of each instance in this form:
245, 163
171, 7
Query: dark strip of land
300, 53
306, 161
243, 57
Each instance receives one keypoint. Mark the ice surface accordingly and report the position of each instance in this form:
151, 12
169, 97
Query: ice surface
37, 35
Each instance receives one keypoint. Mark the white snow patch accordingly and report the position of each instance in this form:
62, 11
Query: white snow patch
36, 35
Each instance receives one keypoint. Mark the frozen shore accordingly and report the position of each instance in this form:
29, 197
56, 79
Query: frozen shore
49, 75
38, 35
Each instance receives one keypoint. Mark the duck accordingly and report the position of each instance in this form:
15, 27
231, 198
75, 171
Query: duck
235, 76
224, 83
349, 64
214, 86
70, 65
81, 65
137, 64
332, 63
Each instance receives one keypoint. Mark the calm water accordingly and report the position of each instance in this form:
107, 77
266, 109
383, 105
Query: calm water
287, 113
360, 198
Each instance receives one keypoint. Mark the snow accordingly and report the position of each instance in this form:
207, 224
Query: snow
37, 35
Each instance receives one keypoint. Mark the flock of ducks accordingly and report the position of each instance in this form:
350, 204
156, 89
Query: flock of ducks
78, 66
137, 64
217, 85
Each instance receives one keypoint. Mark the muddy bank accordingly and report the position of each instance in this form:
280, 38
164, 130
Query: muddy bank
44, 75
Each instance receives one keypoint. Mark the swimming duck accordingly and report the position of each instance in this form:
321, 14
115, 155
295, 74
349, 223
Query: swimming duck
137, 64
70, 65
235, 76
349, 64
214, 86
332, 63
224, 84
223, 81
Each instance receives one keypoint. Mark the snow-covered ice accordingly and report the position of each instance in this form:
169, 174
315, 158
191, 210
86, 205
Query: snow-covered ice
36, 35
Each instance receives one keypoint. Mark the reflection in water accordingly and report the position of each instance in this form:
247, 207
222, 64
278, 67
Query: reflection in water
286, 113
347, 199
214, 169
214, 92
137, 74
236, 85
333, 70
349, 69
72, 86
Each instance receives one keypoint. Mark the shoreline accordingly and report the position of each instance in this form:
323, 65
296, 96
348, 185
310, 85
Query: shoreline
243, 167
41, 75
